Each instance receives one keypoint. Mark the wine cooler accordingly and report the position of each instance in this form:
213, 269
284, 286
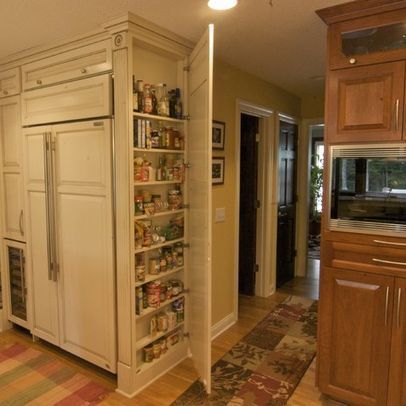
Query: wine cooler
17, 286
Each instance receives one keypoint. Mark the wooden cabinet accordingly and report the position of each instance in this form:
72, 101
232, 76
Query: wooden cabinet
355, 335
366, 104
73, 64
68, 194
11, 169
397, 376
10, 82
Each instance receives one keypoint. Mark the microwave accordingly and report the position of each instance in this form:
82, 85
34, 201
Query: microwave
368, 188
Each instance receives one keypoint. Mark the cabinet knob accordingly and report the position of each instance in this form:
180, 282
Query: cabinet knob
353, 61
5, 92
83, 70
39, 82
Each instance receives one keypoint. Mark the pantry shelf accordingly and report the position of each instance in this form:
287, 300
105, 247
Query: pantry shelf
143, 342
159, 118
147, 365
158, 182
159, 214
151, 310
150, 278
156, 246
160, 150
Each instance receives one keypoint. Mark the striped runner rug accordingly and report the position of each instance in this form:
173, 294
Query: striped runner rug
28, 376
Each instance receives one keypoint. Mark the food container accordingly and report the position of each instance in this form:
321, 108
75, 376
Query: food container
140, 273
153, 266
157, 350
148, 353
154, 294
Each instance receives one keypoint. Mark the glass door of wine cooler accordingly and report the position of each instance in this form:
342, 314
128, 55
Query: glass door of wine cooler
17, 290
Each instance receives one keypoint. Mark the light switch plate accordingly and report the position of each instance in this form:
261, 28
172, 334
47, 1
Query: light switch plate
220, 215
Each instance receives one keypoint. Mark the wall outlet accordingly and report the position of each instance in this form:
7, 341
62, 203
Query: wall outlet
220, 215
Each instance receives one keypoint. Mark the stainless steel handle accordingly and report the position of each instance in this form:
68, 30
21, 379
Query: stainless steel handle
22, 277
398, 244
398, 307
397, 114
52, 207
47, 205
386, 305
384, 261
20, 222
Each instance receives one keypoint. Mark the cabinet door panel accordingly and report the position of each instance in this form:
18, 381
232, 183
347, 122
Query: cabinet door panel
43, 289
397, 377
13, 206
82, 172
366, 103
354, 335
199, 178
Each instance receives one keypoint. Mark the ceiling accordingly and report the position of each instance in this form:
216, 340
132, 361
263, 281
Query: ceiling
283, 43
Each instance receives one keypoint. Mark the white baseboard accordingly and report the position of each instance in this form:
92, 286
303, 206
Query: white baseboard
223, 325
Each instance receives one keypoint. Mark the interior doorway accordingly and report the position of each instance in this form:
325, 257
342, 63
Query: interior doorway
249, 204
286, 241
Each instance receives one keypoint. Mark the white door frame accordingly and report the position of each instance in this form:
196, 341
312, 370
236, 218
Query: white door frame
265, 283
303, 205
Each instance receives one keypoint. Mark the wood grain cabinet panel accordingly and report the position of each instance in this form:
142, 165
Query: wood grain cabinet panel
397, 380
366, 103
355, 334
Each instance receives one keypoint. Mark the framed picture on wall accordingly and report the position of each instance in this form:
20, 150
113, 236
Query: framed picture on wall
217, 171
218, 134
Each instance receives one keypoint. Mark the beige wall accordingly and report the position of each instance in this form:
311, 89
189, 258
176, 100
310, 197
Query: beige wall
231, 84
312, 107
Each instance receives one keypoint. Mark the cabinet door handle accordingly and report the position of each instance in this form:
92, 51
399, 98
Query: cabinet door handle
384, 261
398, 307
386, 305
20, 222
398, 244
397, 103
47, 205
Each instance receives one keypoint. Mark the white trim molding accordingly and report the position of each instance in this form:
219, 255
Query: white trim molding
223, 325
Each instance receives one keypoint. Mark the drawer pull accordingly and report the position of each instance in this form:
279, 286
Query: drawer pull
386, 305
384, 261
83, 70
5, 92
398, 244
39, 82
398, 307
352, 61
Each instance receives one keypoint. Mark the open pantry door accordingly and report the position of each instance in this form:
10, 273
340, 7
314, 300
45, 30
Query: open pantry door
200, 87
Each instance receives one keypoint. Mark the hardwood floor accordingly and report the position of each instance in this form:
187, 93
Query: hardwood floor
167, 388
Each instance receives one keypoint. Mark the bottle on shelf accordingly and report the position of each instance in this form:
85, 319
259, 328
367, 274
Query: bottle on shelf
163, 102
147, 99
178, 105
154, 100
135, 95
140, 96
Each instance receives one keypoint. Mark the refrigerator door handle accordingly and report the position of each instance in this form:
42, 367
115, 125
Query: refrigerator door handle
52, 197
46, 145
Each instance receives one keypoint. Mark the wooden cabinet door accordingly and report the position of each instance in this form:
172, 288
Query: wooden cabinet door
397, 377
366, 103
354, 335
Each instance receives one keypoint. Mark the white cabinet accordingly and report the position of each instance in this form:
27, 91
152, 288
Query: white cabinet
86, 98
10, 82
73, 64
140, 361
11, 169
70, 228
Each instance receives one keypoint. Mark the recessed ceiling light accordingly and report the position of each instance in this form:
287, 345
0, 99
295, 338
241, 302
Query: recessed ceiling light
222, 4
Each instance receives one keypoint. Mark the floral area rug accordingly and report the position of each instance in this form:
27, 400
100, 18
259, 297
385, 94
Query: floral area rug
264, 367
31, 377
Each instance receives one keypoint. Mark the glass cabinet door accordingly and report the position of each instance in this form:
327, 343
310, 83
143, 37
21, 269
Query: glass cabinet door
17, 282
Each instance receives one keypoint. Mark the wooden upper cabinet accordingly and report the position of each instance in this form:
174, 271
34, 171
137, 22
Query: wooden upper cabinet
397, 380
366, 103
368, 40
355, 336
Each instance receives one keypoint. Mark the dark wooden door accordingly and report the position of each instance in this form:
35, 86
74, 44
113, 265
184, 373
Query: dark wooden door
248, 204
366, 103
355, 322
287, 203
397, 376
